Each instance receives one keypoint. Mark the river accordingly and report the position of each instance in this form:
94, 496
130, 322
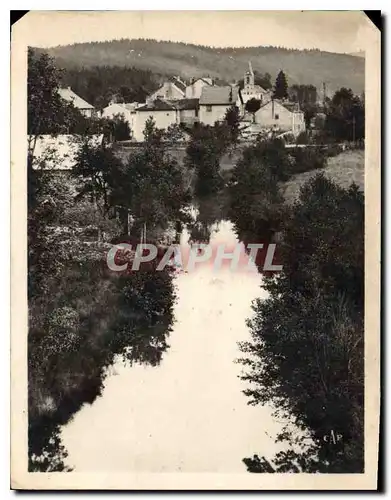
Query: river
188, 413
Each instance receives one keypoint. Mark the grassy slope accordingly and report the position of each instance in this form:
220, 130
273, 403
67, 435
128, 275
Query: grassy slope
345, 168
310, 67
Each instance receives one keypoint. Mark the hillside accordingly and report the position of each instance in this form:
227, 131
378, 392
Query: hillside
302, 67
344, 169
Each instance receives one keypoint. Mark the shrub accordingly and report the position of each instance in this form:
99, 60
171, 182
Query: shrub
307, 159
117, 127
303, 138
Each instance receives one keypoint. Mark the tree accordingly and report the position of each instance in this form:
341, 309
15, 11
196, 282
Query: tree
281, 86
306, 356
47, 112
232, 118
117, 128
151, 185
99, 169
256, 203
303, 94
99, 85
345, 116
203, 155
263, 80
252, 106
309, 111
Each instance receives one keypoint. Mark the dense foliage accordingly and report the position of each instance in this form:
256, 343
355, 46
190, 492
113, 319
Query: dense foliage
47, 112
256, 203
303, 94
205, 150
306, 357
99, 85
345, 116
189, 60
151, 185
232, 119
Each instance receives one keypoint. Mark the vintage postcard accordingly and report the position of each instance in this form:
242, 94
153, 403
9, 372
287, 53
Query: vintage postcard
195, 250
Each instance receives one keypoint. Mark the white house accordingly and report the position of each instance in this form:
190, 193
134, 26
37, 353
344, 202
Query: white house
281, 115
68, 95
127, 110
59, 152
114, 109
194, 89
171, 90
163, 113
215, 101
252, 91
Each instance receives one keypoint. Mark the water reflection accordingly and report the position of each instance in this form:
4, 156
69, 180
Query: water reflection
130, 315
209, 212
189, 412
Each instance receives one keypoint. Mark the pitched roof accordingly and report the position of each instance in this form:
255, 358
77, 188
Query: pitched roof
178, 83
290, 106
259, 88
219, 95
132, 106
205, 79
119, 107
58, 152
157, 105
182, 104
68, 95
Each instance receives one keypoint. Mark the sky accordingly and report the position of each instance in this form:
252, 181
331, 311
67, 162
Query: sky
325, 30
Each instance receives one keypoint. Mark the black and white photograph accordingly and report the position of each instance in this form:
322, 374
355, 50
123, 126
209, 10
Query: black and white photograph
198, 245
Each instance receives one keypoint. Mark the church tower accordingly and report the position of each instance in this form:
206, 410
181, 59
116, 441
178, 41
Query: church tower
249, 79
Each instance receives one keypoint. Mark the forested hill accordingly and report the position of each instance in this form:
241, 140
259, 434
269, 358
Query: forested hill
302, 67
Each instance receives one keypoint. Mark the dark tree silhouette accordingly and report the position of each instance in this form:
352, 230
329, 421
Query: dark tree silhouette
281, 86
309, 363
345, 116
252, 106
232, 118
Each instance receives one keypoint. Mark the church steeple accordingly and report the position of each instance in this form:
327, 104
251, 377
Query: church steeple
249, 76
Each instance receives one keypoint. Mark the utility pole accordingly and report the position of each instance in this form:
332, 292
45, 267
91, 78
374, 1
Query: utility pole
354, 128
324, 95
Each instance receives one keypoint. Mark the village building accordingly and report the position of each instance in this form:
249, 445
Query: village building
188, 110
171, 90
162, 113
252, 91
85, 109
115, 109
282, 116
127, 110
194, 89
165, 114
215, 101
58, 153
